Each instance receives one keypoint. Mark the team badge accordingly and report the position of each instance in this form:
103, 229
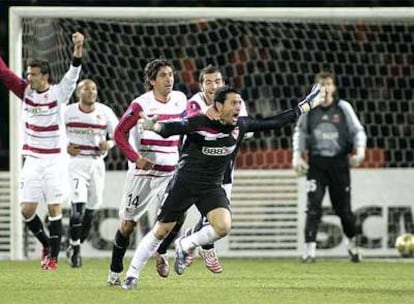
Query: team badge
194, 106
336, 118
235, 133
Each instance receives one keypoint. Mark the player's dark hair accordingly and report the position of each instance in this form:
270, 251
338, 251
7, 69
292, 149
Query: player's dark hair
151, 70
325, 75
210, 69
43, 65
222, 93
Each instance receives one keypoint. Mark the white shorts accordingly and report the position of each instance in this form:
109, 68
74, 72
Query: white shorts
142, 194
44, 180
87, 179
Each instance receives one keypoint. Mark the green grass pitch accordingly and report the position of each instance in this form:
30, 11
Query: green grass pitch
243, 281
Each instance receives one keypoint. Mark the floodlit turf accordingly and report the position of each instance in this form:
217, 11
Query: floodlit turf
243, 281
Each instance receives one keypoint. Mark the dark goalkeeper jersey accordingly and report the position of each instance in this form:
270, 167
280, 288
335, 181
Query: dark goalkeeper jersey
209, 146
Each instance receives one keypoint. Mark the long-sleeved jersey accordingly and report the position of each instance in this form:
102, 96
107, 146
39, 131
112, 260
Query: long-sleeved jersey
197, 104
163, 152
43, 128
210, 145
88, 129
329, 132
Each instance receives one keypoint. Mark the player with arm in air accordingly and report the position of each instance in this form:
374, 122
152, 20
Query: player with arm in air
152, 158
206, 154
210, 80
90, 126
44, 176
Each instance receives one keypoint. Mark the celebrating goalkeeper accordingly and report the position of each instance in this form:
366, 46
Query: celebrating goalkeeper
208, 150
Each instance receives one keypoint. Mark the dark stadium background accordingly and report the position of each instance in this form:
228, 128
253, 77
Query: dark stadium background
4, 5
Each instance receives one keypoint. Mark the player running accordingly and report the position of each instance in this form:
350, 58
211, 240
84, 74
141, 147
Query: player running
152, 158
205, 157
211, 79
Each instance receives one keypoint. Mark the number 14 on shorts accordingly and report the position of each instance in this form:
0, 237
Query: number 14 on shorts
133, 201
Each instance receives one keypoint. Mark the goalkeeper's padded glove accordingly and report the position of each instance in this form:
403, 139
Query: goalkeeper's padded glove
313, 99
356, 159
300, 166
148, 124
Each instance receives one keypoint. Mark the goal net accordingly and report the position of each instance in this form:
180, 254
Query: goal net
271, 58
273, 63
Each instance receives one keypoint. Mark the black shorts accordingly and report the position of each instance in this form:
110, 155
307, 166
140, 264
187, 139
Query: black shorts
181, 195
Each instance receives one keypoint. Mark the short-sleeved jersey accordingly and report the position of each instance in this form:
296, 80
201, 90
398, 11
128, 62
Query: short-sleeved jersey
43, 128
210, 145
88, 129
162, 151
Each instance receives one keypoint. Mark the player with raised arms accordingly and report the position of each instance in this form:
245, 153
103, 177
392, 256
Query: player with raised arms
44, 176
206, 155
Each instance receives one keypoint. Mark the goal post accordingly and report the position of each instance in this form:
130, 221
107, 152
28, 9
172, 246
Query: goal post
330, 15
15, 62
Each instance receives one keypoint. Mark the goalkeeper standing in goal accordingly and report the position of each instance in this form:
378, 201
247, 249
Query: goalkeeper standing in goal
90, 126
329, 134
44, 176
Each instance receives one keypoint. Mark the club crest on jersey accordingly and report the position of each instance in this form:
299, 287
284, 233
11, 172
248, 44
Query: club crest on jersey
235, 133
194, 106
336, 118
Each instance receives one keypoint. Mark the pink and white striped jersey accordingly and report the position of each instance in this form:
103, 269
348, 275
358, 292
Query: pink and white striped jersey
44, 133
43, 130
162, 151
197, 104
88, 129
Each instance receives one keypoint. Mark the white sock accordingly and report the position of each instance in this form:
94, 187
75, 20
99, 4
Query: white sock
310, 249
143, 252
75, 243
351, 243
205, 235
